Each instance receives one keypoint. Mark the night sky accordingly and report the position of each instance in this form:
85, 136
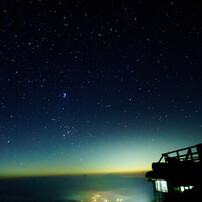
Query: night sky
97, 86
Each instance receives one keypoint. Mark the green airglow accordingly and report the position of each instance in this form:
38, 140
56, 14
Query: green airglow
133, 156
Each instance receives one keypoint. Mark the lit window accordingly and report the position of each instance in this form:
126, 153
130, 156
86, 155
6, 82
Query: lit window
182, 188
161, 186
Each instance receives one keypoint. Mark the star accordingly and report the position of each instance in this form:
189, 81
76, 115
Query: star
64, 95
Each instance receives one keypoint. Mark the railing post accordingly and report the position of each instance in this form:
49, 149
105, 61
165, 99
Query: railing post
192, 159
178, 157
199, 151
166, 158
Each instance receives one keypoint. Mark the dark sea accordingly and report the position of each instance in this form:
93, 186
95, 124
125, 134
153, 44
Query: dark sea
99, 188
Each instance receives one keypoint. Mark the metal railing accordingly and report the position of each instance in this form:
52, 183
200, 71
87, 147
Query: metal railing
186, 154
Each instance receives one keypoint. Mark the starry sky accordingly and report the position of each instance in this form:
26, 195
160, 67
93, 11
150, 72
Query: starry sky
97, 86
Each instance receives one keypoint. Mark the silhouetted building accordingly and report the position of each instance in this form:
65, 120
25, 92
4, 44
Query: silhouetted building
177, 175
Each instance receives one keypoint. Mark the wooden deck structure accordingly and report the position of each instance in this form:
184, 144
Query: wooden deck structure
177, 175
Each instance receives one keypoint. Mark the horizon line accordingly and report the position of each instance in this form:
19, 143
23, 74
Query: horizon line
124, 173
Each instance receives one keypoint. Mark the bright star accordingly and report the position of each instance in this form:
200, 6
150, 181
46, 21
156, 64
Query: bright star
64, 95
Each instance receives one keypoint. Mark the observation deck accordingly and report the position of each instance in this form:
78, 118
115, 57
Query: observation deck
176, 173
